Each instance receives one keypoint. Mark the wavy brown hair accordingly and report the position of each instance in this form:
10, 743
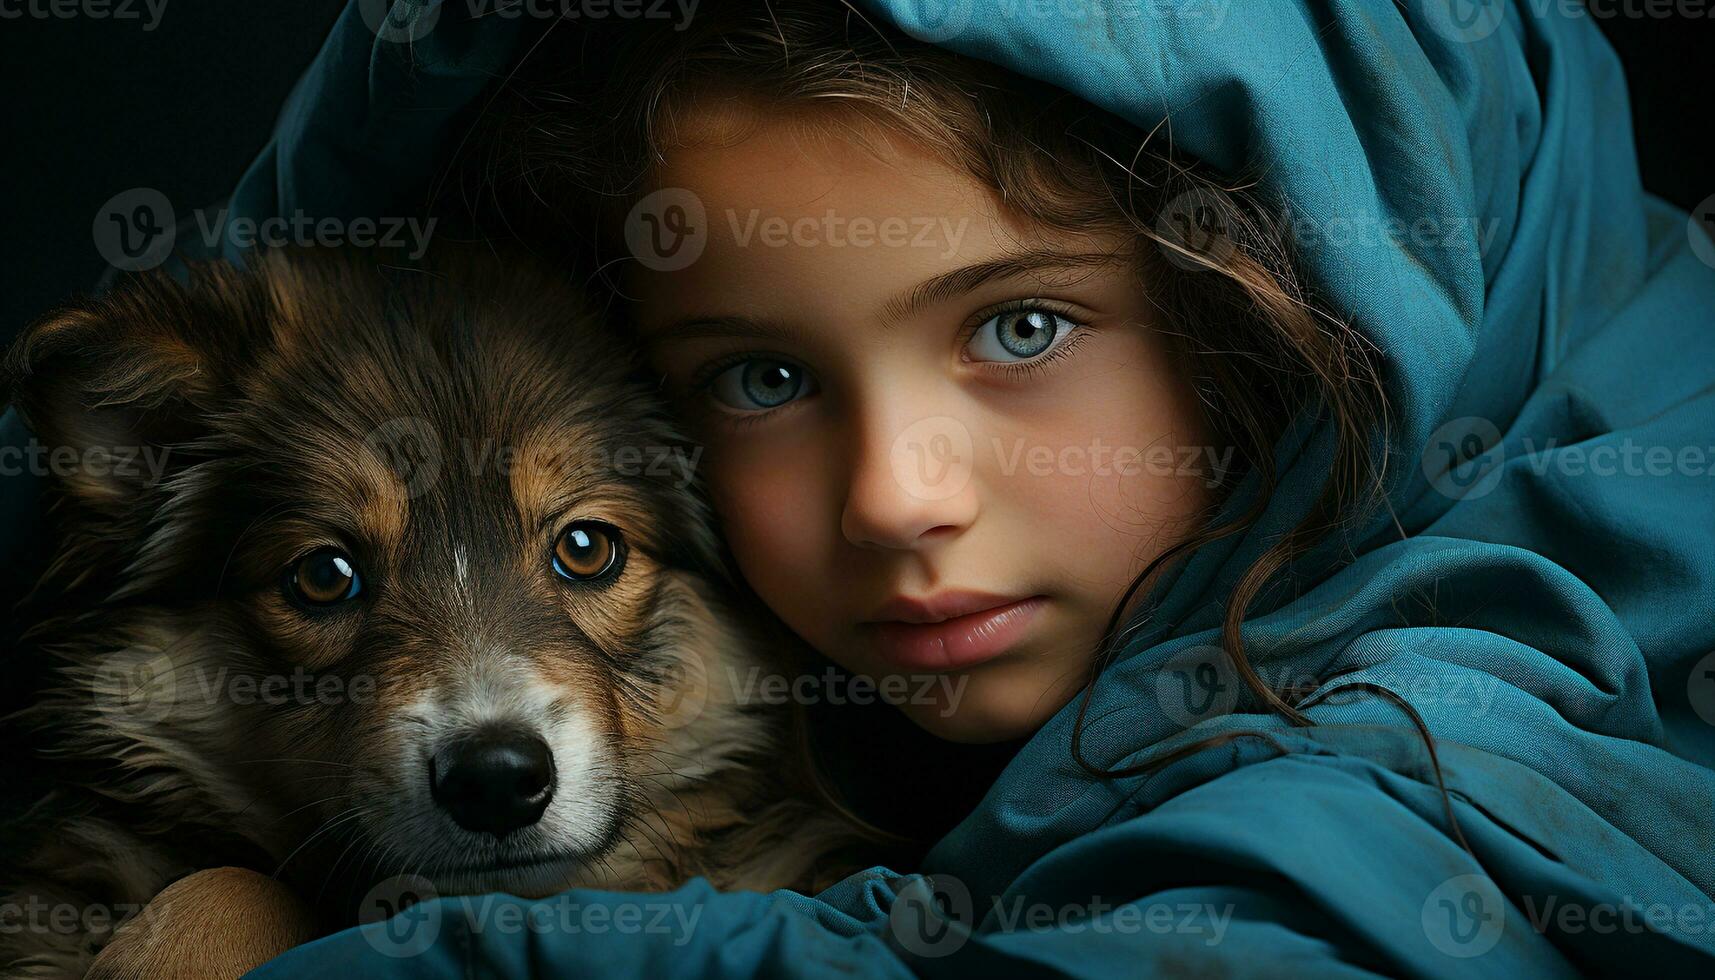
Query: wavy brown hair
570, 142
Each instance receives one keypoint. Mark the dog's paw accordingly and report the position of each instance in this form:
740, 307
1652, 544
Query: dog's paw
217, 923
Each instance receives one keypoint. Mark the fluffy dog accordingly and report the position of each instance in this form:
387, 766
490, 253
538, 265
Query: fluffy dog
367, 570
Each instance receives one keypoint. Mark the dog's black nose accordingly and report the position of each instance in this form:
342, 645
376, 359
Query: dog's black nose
495, 782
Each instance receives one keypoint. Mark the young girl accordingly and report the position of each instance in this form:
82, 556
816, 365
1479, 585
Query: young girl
1261, 524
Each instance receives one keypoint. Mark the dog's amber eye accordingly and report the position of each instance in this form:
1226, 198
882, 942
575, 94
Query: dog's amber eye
588, 550
323, 577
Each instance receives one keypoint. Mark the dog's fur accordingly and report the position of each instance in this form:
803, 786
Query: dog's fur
441, 425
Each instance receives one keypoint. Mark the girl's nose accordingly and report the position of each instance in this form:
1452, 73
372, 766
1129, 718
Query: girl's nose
911, 482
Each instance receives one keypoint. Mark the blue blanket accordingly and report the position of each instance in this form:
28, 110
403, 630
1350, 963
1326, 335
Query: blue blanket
1465, 191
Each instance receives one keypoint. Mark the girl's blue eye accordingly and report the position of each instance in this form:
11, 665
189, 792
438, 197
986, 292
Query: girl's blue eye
760, 383
1019, 335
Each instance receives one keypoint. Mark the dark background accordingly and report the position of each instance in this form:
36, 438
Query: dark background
95, 107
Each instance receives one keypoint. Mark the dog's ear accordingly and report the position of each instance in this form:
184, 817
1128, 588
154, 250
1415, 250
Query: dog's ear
112, 386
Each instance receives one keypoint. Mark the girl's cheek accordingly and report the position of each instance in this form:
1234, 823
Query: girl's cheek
770, 512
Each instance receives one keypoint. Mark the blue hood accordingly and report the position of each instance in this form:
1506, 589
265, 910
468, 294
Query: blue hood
1539, 586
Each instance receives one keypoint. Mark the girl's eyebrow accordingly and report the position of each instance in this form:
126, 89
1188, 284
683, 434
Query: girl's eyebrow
957, 282
941, 288
701, 327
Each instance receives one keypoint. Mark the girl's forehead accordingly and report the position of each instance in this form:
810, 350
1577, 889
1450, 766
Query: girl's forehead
802, 153
783, 221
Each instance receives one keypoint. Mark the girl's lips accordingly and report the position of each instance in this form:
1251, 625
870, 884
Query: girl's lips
958, 642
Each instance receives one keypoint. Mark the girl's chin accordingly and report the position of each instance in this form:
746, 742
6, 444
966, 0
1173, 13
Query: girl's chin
987, 706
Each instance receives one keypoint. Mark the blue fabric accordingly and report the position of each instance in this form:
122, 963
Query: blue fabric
1543, 322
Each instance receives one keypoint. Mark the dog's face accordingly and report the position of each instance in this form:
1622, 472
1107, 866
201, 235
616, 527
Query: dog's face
418, 572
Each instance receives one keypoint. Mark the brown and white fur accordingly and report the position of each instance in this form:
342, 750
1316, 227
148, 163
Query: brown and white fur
440, 426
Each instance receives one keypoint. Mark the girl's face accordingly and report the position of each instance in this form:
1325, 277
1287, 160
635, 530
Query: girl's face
941, 442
